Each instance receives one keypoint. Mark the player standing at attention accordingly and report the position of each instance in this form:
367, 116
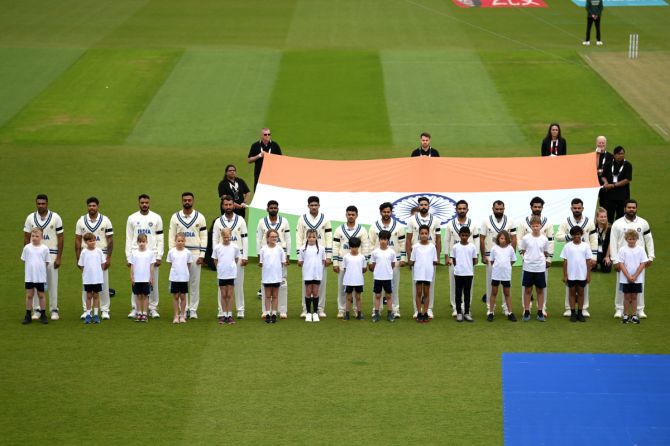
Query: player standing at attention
464, 258
239, 237
589, 236
194, 227
423, 261
536, 259
631, 262
502, 258
396, 243
101, 227
281, 225
424, 217
343, 235
617, 241
92, 261
382, 263
547, 229
142, 270
354, 266
576, 257
452, 238
493, 225
149, 223
52, 236
425, 148
272, 260
226, 255
36, 257
180, 260
317, 221
312, 260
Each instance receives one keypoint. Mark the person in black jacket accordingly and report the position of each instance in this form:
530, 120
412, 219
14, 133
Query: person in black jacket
617, 175
594, 11
554, 144
259, 149
235, 187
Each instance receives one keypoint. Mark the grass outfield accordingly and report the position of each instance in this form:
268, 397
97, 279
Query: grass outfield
189, 88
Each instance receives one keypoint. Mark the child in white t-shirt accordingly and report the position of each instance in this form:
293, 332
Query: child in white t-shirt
312, 259
632, 260
179, 259
576, 257
36, 257
271, 259
464, 259
90, 262
225, 256
354, 267
382, 262
502, 258
534, 249
422, 261
142, 263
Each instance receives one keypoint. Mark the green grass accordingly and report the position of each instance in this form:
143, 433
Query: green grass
190, 87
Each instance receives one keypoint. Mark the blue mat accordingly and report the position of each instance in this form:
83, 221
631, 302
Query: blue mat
586, 399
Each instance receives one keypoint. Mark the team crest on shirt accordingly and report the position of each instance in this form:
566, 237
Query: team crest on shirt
442, 207
151, 224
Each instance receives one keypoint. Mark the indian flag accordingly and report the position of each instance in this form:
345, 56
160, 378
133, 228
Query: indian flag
480, 181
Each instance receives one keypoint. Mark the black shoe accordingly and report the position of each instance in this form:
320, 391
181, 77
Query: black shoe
624, 319
259, 294
267, 318
384, 301
573, 317
390, 317
376, 317
112, 292
511, 317
43, 317
27, 320
635, 319
581, 318
359, 316
484, 298
489, 317
346, 316
273, 319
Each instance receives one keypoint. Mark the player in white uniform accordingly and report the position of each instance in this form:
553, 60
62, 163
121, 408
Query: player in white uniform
491, 227
630, 221
194, 226
100, 226
317, 221
150, 224
52, 236
423, 217
396, 242
589, 236
239, 236
451, 238
523, 228
279, 224
341, 238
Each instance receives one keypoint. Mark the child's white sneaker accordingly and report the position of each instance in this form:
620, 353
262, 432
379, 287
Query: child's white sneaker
308, 317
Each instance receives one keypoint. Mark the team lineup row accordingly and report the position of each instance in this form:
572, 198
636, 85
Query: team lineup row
335, 245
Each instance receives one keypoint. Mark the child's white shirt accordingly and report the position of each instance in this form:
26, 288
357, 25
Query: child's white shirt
312, 266
463, 254
36, 259
502, 259
179, 261
383, 260
576, 256
534, 260
353, 269
631, 258
92, 260
423, 257
226, 256
142, 261
272, 260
